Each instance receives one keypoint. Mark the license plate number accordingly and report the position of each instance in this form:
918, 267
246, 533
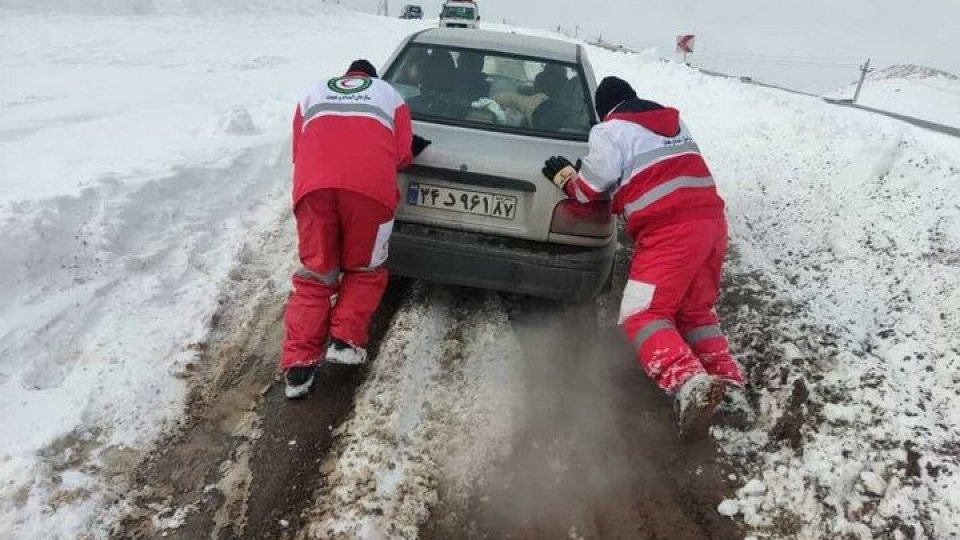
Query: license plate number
462, 200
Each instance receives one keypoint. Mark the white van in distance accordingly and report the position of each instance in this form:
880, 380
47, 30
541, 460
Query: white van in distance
460, 14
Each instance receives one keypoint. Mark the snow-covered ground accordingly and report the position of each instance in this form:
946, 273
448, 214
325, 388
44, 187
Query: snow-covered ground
924, 93
138, 153
854, 219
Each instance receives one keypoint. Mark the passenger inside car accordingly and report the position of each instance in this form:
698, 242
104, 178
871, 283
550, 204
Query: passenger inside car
475, 87
564, 107
412, 70
548, 86
471, 82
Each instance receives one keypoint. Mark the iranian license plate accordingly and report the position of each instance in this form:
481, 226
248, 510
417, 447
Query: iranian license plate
462, 200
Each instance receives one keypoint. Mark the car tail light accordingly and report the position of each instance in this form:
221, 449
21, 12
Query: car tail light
575, 219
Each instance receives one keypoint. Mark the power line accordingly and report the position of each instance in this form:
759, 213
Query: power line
788, 56
928, 85
797, 64
779, 60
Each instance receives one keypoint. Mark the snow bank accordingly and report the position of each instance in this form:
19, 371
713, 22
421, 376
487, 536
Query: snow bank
139, 155
853, 219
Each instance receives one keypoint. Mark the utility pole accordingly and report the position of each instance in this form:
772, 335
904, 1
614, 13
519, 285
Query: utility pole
384, 8
864, 69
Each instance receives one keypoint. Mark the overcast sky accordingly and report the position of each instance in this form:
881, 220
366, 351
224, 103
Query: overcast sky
742, 35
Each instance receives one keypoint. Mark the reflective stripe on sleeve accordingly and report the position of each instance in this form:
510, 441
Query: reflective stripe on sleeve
665, 189
649, 330
591, 178
349, 109
329, 278
580, 195
704, 332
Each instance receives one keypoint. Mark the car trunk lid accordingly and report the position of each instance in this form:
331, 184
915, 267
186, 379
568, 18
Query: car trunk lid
483, 181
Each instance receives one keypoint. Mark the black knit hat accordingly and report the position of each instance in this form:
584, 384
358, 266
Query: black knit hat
611, 92
363, 66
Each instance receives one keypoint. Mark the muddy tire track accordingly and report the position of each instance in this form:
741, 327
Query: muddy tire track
286, 475
243, 463
597, 455
444, 368
248, 461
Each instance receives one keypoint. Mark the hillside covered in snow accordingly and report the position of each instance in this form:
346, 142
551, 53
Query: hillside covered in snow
925, 93
144, 156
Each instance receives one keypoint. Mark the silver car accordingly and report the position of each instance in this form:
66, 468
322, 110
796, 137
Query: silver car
475, 209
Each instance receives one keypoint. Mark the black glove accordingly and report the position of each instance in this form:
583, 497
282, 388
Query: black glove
559, 170
419, 145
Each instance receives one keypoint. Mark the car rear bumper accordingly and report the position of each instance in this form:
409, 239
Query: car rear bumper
490, 262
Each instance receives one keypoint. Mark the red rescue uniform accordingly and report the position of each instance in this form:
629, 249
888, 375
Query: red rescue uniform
351, 135
645, 158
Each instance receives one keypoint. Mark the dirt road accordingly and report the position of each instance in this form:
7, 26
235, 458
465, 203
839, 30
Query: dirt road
581, 446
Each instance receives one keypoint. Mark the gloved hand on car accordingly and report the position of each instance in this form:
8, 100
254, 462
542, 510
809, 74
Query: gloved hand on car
559, 170
419, 145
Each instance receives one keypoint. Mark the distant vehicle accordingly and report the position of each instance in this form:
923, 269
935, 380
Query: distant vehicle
411, 11
474, 208
460, 14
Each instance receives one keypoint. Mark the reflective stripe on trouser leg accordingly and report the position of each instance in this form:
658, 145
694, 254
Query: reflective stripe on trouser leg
647, 331
707, 338
664, 355
713, 350
711, 347
328, 278
702, 333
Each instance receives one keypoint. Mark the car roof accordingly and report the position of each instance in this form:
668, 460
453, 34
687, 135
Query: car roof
539, 47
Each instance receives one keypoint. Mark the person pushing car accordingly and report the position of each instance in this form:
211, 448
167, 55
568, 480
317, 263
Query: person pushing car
351, 135
643, 157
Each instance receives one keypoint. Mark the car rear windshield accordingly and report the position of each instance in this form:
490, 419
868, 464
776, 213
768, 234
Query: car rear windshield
458, 12
493, 91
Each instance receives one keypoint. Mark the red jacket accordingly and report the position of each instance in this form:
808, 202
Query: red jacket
352, 132
645, 158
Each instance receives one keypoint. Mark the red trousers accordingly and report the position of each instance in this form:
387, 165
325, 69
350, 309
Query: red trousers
340, 232
668, 304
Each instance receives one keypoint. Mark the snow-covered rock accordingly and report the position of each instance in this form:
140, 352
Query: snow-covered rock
873, 483
754, 488
728, 508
